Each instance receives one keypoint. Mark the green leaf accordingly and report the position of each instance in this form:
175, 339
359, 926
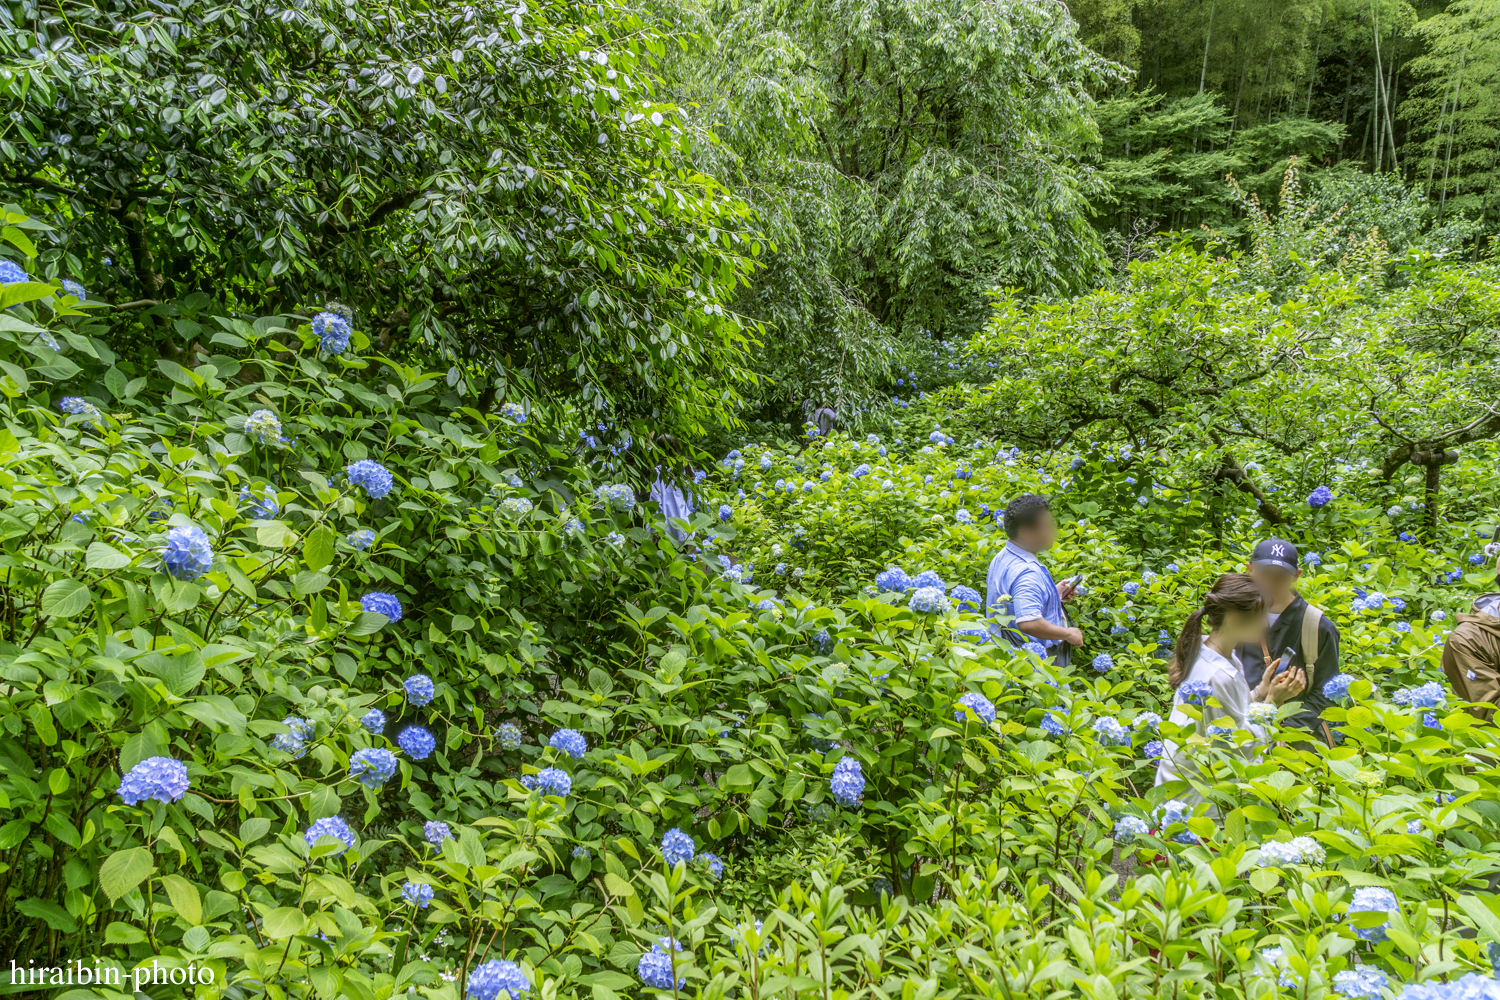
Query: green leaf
178, 374
124, 870
275, 535
55, 916
317, 550
1485, 918
184, 897
367, 623
254, 828
323, 801
283, 922
106, 557
65, 598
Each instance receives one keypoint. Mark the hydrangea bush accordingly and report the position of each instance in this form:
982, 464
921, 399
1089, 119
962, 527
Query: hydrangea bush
492, 756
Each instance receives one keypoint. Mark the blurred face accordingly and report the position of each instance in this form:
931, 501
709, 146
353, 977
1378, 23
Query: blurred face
1041, 534
1276, 583
1241, 627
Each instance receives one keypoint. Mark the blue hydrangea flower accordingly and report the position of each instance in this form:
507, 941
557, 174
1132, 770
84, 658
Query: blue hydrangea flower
372, 767
967, 597
1035, 648
848, 782
1429, 695
715, 864
615, 538
161, 779
655, 970
1110, 732
516, 506
861, 471
1173, 568
1153, 749
332, 331
962, 516
1312, 559
496, 977
1438, 616
780, 569
330, 826
294, 742
1052, 722
1407, 536
11, 273
974, 702
570, 742
573, 526
382, 603
1337, 688
1104, 663
1146, 720
1476, 559
579, 851
822, 640
508, 735
765, 462
1319, 497
74, 289
417, 895
929, 578
1403, 627
188, 554
617, 496
361, 539
1362, 982
1430, 720
1131, 588
928, 600
263, 505
263, 426
417, 742
1373, 899
1127, 828
419, 689
677, 846
374, 478
373, 721
1194, 692
893, 579
514, 412
435, 832
1471, 986
47, 340
725, 512
549, 781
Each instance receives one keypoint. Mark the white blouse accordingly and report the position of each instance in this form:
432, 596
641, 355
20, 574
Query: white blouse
1226, 681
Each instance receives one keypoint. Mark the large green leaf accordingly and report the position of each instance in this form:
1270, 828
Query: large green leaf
124, 870
65, 598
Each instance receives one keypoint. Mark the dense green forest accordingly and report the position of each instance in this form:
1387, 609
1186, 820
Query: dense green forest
496, 499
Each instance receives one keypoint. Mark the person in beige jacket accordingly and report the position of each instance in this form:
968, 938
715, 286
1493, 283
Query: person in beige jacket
1471, 654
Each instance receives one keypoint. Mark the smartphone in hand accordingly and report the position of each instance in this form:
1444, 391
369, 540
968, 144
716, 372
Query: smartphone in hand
1286, 659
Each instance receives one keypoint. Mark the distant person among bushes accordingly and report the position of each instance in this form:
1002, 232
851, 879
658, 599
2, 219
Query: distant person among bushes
672, 500
1205, 672
1020, 587
1471, 653
1294, 624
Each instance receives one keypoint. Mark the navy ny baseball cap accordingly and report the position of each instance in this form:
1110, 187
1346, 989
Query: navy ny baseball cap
1275, 552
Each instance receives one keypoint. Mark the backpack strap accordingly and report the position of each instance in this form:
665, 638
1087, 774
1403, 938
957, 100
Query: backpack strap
1311, 619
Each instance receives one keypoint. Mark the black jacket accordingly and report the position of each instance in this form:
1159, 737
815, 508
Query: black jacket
1288, 632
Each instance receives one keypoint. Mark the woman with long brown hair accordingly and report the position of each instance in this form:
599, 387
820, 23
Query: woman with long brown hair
1205, 672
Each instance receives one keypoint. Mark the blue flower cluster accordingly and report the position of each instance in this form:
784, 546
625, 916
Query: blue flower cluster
514, 412
516, 506
929, 578
1194, 692
714, 862
419, 896
508, 735
617, 496
11, 273
1297, 851
263, 505
435, 832
374, 478
928, 600
1363, 982
330, 826
1429, 695
361, 539
1472, 986
1104, 663
1127, 828
570, 742
848, 782
655, 968
893, 579
382, 603
549, 781
417, 742
677, 847
160, 779
975, 705
263, 426
373, 721
333, 332
967, 597
188, 554
1053, 723
1153, 749
1373, 899
1337, 688
1110, 732
372, 767
725, 512
495, 977
294, 742
1320, 497
419, 689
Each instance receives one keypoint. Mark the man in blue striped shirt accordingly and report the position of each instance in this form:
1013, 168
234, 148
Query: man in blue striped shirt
1020, 587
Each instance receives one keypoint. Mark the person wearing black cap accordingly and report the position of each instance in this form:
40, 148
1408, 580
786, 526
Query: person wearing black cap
1311, 635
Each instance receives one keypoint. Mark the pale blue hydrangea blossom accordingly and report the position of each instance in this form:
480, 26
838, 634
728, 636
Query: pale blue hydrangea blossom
160, 779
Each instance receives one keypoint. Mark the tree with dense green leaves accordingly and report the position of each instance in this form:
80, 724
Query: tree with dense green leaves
493, 187
905, 157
